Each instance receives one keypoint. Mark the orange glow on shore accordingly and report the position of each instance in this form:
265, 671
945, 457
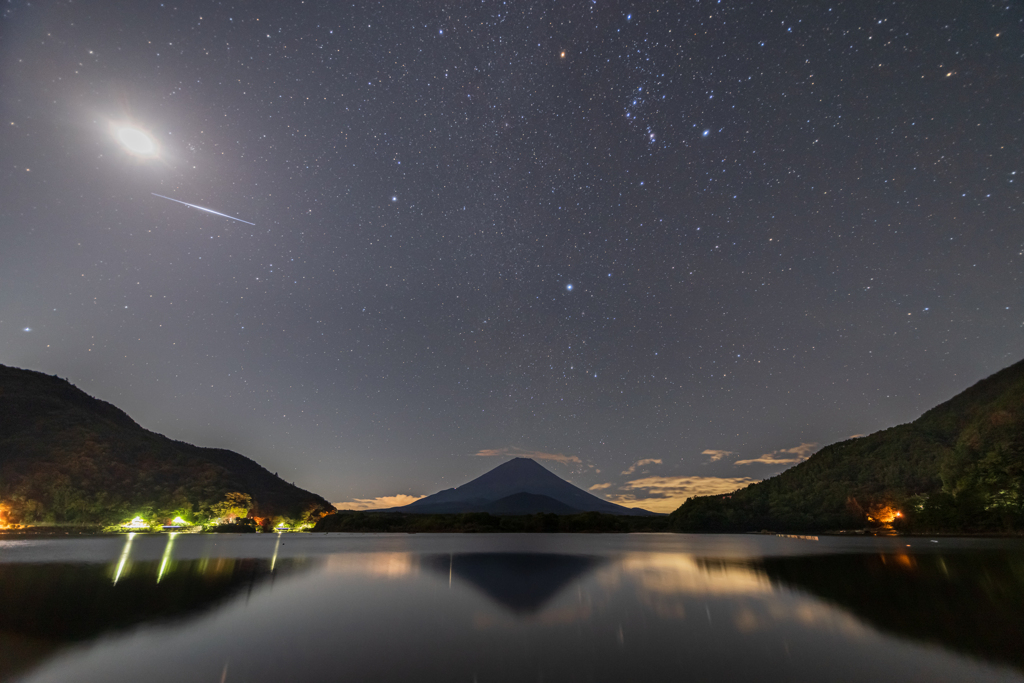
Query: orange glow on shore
883, 514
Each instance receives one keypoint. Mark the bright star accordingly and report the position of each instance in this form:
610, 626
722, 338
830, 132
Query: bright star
394, 199
569, 286
29, 329
707, 132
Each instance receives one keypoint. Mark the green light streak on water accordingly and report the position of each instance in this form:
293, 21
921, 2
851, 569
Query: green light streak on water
124, 557
167, 556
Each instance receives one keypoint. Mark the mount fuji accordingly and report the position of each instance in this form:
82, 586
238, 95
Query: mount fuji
520, 486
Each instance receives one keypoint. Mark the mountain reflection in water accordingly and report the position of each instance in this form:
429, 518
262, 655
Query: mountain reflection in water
522, 582
509, 608
969, 602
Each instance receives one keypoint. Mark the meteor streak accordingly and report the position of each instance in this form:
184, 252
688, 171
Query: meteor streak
202, 208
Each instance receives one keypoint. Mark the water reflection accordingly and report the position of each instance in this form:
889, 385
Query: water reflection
167, 557
124, 557
500, 608
380, 565
523, 583
47, 606
969, 602
684, 574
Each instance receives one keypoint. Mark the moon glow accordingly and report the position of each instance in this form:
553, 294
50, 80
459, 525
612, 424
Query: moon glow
136, 141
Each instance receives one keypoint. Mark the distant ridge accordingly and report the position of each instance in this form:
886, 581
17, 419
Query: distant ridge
69, 458
958, 468
520, 486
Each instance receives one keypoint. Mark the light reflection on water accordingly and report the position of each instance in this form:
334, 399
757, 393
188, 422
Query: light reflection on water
278, 607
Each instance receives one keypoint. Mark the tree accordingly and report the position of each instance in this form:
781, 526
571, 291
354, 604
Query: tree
234, 503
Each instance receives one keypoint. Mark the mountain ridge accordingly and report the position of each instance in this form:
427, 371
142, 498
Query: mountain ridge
958, 468
70, 458
514, 477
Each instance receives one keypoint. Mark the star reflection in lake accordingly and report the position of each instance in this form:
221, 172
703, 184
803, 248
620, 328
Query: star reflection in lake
509, 607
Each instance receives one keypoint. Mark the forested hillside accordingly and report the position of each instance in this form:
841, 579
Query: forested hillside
957, 468
69, 458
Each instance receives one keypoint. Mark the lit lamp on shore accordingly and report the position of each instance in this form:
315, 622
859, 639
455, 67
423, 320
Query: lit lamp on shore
176, 523
136, 524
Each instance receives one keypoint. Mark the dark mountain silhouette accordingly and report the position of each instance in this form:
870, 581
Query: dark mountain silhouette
958, 468
516, 504
512, 522
518, 487
66, 457
528, 504
521, 582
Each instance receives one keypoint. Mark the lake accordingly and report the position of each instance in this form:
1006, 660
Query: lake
535, 607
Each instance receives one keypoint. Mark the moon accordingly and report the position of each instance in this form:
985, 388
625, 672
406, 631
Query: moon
136, 141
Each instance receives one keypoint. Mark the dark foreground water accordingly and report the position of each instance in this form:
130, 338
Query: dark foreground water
427, 608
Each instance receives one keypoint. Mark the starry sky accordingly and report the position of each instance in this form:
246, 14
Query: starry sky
667, 248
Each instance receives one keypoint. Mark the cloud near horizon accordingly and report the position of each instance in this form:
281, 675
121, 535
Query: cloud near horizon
790, 456
377, 503
641, 463
665, 494
716, 455
520, 453
600, 487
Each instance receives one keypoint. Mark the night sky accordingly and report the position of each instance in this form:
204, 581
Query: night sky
668, 248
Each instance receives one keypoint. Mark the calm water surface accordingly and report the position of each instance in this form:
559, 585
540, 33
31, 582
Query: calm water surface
359, 607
